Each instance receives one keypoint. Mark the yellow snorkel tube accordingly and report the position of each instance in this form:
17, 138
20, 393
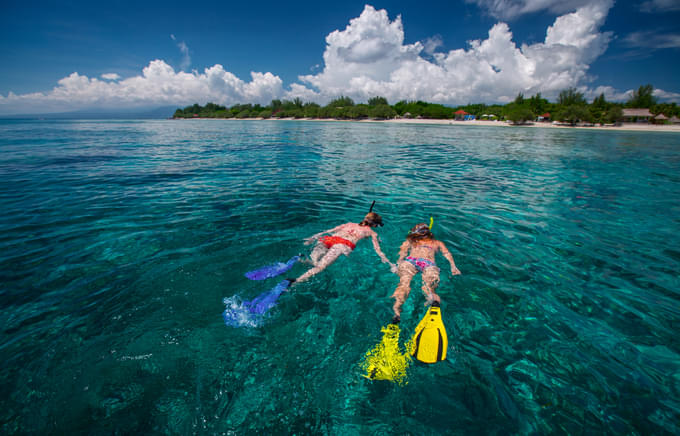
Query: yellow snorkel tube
431, 222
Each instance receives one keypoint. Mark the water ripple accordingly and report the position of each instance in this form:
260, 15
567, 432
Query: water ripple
120, 242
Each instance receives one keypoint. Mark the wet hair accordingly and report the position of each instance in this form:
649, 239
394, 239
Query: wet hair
372, 219
420, 231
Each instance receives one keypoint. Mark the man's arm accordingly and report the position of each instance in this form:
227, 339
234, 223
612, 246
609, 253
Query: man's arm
447, 254
316, 236
376, 247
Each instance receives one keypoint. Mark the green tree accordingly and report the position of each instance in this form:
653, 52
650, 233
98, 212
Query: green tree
341, 102
519, 100
571, 97
311, 110
400, 107
288, 105
600, 102
538, 104
340, 113
212, 107
375, 101
519, 114
642, 98
614, 114
357, 112
574, 113
324, 112
477, 109
437, 111
668, 109
598, 109
382, 111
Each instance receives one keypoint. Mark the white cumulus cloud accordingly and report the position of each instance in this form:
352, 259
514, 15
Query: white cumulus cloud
665, 95
432, 44
158, 84
110, 76
369, 58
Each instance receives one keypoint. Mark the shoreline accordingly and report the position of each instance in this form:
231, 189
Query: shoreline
627, 127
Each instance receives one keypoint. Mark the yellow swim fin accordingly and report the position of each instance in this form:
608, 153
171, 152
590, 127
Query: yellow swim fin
429, 342
386, 361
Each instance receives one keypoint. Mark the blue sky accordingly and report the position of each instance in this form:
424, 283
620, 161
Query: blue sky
164, 53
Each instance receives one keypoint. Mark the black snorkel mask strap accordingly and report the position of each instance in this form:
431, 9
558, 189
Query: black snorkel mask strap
371, 209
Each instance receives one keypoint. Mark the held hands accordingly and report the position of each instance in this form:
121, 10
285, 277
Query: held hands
309, 240
455, 271
393, 267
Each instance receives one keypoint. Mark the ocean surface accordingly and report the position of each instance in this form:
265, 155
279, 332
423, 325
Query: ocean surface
121, 240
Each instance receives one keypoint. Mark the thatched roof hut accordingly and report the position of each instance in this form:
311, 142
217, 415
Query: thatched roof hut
639, 115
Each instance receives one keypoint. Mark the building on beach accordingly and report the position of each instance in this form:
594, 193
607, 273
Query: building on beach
674, 120
545, 117
637, 115
491, 117
660, 119
460, 115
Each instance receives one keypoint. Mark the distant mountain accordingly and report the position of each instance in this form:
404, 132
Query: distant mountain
157, 113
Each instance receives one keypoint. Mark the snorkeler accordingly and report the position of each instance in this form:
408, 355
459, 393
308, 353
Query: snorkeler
342, 240
421, 246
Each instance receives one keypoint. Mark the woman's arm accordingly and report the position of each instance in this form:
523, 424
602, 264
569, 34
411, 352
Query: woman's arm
447, 254
403, 250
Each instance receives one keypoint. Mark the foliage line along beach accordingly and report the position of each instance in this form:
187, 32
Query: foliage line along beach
642, 111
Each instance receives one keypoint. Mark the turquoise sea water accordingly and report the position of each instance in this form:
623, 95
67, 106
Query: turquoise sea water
120, 240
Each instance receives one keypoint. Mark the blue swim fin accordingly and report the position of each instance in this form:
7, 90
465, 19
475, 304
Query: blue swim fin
272, 270
251, 313
266, 300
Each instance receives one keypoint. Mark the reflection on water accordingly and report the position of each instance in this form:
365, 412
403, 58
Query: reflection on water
119, 242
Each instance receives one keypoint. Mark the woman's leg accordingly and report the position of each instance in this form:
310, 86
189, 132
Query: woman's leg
406, 272
333, 253
430, 283
318, 252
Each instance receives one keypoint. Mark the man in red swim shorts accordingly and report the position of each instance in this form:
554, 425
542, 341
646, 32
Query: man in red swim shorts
342, 240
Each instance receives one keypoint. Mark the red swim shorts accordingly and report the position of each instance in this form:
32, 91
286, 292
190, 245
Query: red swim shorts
330, 241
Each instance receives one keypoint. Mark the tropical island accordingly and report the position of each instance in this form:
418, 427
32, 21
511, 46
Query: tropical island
571, 108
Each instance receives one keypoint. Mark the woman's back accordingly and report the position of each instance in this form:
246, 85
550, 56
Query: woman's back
424, 248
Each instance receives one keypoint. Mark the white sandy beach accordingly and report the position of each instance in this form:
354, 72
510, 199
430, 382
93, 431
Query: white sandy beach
636, 127
626, 126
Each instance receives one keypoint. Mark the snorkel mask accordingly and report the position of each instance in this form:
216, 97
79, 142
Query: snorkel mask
421, 230
372, 219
